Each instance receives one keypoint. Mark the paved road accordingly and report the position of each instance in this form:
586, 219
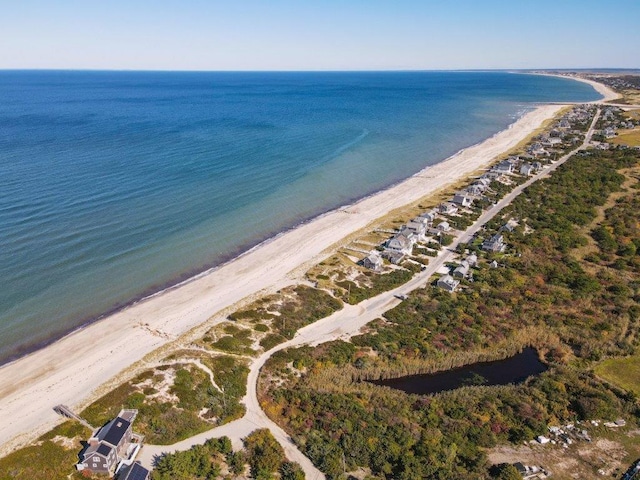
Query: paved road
342, 324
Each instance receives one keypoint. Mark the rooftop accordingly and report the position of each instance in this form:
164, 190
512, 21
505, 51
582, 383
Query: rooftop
115, 430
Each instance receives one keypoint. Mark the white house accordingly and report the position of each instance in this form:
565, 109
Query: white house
526, 169
472, 260
448, 283
429, 217
416, 228
422, 220
504, 167
402, 243
447, 208
443, 226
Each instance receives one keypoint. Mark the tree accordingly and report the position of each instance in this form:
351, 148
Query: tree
505, 471
265, 454
291, 471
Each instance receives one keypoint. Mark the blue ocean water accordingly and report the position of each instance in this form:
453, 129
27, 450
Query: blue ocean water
114, 185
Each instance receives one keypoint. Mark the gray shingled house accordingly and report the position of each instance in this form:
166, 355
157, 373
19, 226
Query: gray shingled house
109, 444
134, 472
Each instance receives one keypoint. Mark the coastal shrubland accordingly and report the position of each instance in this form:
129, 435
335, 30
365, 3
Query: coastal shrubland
370, 284
183, 401
230, 338
262, 456
276, 318
576, 310
53, 456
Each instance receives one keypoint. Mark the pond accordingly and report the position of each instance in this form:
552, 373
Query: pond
514, 369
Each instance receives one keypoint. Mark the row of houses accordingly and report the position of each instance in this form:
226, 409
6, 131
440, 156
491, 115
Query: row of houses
514, 165
415, 231
612, 120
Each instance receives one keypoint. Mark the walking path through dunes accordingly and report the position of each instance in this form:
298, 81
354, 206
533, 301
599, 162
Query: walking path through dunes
341, 325
31, 386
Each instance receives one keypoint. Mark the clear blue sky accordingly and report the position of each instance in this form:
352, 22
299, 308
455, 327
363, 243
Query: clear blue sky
319, 34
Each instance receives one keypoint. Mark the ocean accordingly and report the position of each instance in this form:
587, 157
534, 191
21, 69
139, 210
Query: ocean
116, 185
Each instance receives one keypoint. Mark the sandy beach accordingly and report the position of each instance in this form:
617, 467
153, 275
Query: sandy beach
602, 89
77, 368
607, 93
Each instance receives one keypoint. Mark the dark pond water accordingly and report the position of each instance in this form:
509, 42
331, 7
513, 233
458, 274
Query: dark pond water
514, 369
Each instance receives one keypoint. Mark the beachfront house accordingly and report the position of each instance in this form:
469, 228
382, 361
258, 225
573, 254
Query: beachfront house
425, 221
402, 243
373, 262
448, 283
475, 190
111, 444
447, 208
551, 141
416, 228
462, 200
484, 181
494, 244
536, 149
505, 167
429, 216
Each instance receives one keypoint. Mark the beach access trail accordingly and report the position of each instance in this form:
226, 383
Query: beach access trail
343, 324
80, 367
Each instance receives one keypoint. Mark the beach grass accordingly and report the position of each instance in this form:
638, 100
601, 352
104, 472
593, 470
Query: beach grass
53, 457
48, 460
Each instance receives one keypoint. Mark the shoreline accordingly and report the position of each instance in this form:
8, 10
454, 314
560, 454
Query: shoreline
242, 250
32, 385
607, 92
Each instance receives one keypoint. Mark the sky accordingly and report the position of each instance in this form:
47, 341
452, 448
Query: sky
319, 34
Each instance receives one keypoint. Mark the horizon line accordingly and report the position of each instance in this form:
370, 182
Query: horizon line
398, 70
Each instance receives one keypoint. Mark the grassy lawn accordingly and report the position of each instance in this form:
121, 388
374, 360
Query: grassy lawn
628, 137
623, 372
